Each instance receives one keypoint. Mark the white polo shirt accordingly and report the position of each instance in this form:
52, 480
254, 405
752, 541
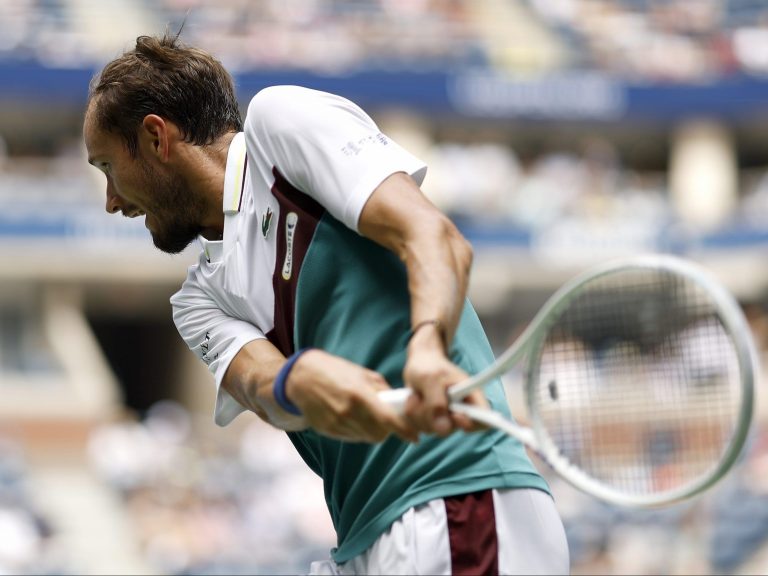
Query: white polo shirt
296, 141
293, 269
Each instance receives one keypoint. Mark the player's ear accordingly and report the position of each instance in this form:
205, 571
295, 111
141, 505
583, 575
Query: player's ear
154, 136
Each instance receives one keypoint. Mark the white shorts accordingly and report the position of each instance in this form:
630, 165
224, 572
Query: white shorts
516, 531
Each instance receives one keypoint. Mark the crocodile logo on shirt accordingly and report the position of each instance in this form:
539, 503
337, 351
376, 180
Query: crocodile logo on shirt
266, 221
291, 220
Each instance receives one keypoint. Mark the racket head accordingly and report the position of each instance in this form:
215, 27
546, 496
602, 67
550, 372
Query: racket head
639, 381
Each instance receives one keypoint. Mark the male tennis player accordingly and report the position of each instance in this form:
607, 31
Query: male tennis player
324, 277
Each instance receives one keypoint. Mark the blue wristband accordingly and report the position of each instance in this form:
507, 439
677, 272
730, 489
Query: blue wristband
278, 388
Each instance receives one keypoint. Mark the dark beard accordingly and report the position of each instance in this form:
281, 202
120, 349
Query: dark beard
177, 213
174, 240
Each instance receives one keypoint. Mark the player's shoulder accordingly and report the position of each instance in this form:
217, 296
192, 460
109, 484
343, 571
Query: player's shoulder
274, 110
279, 98
298, 113
290, 103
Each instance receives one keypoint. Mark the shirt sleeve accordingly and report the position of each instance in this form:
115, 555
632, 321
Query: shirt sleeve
325, 146
214, 337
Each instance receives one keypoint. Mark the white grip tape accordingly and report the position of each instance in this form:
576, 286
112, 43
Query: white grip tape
396, 398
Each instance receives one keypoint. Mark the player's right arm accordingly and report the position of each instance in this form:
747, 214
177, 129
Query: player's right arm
336, 397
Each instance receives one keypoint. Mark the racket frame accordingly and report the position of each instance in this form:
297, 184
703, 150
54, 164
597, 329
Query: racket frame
528, 346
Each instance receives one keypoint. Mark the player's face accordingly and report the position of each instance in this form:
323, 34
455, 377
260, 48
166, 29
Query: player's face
137, 188
173, 212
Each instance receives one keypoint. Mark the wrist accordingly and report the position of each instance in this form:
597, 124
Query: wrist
428, 333
281, 381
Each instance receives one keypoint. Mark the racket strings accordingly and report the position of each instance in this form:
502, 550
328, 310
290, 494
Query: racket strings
638, 381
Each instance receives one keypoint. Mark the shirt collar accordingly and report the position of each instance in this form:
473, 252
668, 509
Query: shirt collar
213, 250
234, 186
234, 177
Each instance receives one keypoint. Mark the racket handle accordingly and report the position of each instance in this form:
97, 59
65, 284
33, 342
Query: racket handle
396, 398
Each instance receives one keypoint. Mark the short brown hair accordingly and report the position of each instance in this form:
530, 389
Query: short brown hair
162, 76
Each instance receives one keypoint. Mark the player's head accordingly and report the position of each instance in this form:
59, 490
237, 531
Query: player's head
162, 76
154, 104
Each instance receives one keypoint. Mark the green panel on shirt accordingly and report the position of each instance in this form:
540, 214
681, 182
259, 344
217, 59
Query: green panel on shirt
353, 302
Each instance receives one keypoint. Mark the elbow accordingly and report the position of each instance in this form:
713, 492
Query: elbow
442, 232
467, 256
462, 249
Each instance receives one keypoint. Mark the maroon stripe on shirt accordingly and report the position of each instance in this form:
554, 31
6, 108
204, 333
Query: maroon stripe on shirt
472, 534
242, 184
309, 213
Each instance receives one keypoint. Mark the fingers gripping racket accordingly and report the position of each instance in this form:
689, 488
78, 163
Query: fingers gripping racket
638, 382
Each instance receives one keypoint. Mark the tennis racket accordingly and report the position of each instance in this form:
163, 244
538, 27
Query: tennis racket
638, 378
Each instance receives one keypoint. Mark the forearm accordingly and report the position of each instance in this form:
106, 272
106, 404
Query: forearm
250, 379
437, 257
438, 261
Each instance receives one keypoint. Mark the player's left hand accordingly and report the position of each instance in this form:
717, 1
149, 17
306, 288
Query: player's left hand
429, 373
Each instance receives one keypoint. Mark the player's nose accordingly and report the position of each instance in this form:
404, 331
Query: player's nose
114, 202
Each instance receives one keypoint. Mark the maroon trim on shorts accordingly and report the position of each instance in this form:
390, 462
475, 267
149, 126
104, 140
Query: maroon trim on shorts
472, 534
309, 212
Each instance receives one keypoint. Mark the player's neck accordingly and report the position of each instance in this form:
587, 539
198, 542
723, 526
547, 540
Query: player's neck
206, 169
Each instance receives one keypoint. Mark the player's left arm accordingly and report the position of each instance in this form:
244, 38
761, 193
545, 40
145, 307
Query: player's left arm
438, 261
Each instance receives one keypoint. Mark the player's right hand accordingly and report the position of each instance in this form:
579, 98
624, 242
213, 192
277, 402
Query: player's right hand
338, 398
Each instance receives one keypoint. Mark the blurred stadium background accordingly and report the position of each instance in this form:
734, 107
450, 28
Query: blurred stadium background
559, 133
